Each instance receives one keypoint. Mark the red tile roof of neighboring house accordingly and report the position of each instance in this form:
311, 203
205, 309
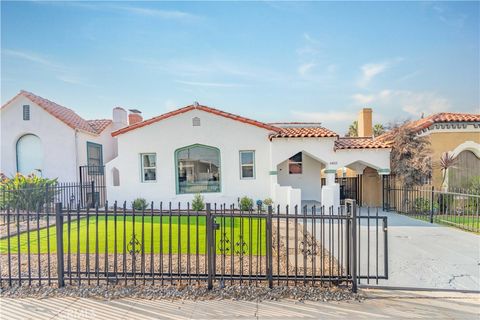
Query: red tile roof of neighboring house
425, 123
304, 132
66, 115
195, 107
99, 124
360, 143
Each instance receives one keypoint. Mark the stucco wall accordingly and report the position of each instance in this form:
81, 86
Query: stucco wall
166, 136
57, 140
447, 141
322, 149
105, 139
60, 160
309, 181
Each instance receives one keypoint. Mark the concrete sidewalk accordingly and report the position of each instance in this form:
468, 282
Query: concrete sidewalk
378, 304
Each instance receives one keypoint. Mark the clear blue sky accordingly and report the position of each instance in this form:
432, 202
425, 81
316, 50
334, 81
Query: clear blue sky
271, 61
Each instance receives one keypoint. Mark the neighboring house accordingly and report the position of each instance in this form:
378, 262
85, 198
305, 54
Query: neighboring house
455, 133
198, 149
42, 137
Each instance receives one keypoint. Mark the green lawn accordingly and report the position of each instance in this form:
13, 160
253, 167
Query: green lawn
161, 234
468, 222
462, 222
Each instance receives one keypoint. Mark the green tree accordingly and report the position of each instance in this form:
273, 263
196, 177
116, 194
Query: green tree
378, 129
353, 129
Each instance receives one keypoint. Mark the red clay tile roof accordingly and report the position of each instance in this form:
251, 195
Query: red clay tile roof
360, 143
304, 132
66, 115
190, 108
425, 123
99, 124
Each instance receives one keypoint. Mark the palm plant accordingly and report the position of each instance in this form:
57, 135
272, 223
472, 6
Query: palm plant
378, 129
353, 129
447, 161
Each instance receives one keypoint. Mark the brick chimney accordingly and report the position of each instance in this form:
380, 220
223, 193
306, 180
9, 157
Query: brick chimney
134, 116
365, 128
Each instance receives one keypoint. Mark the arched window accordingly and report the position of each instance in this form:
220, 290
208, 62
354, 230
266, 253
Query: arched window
198, 169
29, 155
465, 170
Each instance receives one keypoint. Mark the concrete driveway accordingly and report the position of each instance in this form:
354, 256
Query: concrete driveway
429, 255
420, 254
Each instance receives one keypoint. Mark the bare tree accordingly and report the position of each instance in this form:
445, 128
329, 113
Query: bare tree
410, 156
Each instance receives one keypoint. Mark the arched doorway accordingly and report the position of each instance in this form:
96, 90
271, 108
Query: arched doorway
29, 155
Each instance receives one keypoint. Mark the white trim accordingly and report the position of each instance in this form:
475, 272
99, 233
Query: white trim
467, 145
247, 165
142, 168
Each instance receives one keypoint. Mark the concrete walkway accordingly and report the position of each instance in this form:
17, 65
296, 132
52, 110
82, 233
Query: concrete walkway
378, 305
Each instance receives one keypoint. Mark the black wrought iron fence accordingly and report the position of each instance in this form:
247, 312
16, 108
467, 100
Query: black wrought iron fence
221, 245
69, 194
457, 209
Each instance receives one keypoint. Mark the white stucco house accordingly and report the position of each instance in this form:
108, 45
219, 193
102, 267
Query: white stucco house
198, 149
43, 137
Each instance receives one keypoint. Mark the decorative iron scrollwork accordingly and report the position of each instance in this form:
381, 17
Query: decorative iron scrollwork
224, 244
308, 246
241, 246
134, 246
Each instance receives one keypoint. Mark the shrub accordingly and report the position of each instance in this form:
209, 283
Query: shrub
246, 204
198, 203
268, 202
422, 205
140, 204
26, 192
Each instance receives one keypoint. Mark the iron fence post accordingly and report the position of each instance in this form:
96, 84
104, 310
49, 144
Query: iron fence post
59, 234
93, 193
210, 252
431, 204
354, 246
269, 247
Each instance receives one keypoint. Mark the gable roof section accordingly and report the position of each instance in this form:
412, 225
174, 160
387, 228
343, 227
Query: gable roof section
195, 107
304, 132
66, 115
443, 117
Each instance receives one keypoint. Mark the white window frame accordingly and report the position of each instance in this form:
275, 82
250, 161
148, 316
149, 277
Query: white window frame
247, 165
295, 162
142, 168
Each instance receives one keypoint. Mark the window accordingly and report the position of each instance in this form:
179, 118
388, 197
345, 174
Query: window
198, 169
94, 158
26, 112
295, 164
149, 167
247, 164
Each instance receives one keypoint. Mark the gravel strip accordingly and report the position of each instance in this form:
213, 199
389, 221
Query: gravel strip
236, 292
